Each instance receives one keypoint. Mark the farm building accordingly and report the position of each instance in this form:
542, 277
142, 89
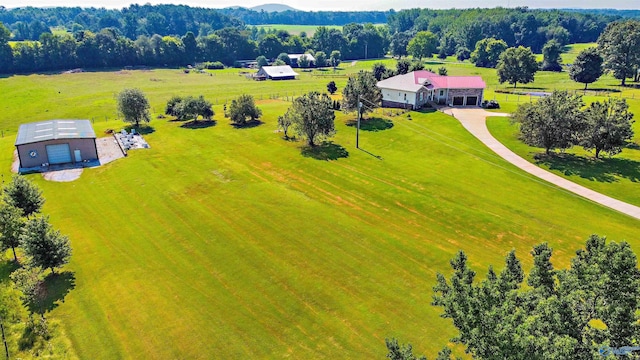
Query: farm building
284, 72
56, 142
295, 58
415, 89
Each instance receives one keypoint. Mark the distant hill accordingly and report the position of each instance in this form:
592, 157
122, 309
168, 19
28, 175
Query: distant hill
273, 8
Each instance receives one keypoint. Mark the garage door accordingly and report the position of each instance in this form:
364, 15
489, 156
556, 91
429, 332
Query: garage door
472, 100
58, 154
458, 100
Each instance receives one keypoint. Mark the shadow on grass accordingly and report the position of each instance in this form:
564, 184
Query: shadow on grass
426, 110
325, 151
55, 288
247, 124
370, 153
372, 124
601, 170
142, 129
194, 124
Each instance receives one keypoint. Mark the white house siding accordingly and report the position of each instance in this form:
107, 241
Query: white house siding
398, 98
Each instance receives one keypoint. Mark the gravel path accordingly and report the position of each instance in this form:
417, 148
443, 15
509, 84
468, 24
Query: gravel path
474, 120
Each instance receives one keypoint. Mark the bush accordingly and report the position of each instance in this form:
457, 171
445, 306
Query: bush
217, 65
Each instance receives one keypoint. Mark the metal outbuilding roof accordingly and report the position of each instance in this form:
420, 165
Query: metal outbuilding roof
277, 71
53, 130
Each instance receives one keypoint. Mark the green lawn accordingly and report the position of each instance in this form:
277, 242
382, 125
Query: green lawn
230, 243
297, 29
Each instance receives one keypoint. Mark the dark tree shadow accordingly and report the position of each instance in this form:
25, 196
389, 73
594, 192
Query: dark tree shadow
325, 151
521, 87
601, 90
372, 124
633, 146
426, 110
247, 124
193, 124
142, 129
7, 267
55, 288
601, 170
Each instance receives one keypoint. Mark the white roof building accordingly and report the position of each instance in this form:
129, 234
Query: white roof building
284, 72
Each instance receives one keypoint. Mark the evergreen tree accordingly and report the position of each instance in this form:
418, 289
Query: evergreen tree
24, 195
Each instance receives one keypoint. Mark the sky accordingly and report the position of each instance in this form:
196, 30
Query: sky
343, 5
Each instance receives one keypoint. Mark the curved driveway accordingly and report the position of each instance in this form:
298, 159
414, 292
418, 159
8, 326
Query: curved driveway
474, 120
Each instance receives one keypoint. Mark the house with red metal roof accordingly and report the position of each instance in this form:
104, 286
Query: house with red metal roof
417, 88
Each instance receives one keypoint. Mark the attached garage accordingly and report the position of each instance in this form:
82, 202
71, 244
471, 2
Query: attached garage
55, 142
472, 101
458, 100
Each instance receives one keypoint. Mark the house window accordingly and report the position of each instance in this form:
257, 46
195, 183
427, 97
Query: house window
405, 96
441, 92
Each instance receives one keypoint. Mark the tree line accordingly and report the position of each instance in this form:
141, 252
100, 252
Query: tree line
22, 227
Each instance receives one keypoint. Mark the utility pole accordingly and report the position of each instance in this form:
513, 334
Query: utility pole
358, 125
4, 339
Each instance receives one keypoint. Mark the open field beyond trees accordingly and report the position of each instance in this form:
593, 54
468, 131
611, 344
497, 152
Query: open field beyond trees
233, 243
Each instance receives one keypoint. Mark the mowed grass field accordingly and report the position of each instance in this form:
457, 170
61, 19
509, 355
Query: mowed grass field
230, 243
297, 29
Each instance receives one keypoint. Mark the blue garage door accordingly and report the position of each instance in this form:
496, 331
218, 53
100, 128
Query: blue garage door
58, 154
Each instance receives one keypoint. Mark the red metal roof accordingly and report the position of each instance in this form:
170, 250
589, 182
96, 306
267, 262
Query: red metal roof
415, 80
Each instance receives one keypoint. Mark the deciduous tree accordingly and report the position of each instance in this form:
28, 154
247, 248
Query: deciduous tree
400, 352
261, 61
286, 121
551, 56
243, 108
517, 65
46, 247
189, 108
313, 116
552, 122
487, 52
361, 88
424, 44
587, 67
335, 58
321, 59
619, 46
134, 106
608, 126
